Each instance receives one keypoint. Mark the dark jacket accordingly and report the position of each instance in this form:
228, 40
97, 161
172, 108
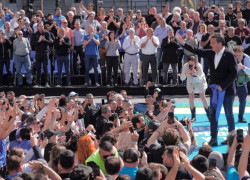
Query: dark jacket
100, 121
42, 46
4, 50
64, 49
226, 72
169, 50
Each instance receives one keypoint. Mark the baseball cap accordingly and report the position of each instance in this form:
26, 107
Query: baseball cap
219, 158
157, 89
49, 133
64, 20
131, 155
71, 94
81, 171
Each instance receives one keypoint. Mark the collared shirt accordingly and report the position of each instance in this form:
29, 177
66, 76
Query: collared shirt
131, 48
59, 19
217, 57
85, 24
79, 37
149, 48
103, 41
161, 33
21, 47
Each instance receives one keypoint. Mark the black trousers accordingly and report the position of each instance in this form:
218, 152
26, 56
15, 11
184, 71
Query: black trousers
42, 58
5, 62
78, 50
112, 63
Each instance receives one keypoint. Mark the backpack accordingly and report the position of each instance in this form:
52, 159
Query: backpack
242, 78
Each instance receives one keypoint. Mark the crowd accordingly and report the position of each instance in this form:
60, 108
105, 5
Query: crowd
65, 138
69, 139
113, 44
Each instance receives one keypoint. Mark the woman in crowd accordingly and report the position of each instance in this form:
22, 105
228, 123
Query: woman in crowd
101, 15
82, 152
196, 83
141, 29
202, 30
112, 45
121, 34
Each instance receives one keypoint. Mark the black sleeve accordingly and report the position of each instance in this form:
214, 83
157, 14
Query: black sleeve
34, 40
37, 152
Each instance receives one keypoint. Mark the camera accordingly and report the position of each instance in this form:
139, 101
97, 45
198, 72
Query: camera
190, 66
240, 137
184, 121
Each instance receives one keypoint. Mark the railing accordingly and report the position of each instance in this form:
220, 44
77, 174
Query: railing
135, 4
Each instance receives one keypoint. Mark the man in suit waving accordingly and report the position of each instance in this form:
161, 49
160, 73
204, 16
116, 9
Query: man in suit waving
223, 71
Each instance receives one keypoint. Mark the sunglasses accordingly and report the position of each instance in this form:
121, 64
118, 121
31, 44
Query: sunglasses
138, 12
106, 156
20, 34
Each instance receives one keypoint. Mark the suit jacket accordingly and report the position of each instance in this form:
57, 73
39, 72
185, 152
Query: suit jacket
226, 72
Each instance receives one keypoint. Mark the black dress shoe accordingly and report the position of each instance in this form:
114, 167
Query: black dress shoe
224, 142
213, 142
242, 120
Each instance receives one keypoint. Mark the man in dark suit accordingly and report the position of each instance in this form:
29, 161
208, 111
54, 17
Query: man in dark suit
223, 70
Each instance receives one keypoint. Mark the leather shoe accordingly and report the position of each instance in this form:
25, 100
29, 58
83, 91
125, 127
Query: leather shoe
213, 142
224, 142
242, 120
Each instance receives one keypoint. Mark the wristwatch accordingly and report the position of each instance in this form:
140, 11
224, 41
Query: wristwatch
41, 166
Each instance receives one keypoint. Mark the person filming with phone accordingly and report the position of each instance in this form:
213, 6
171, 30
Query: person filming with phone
196, 83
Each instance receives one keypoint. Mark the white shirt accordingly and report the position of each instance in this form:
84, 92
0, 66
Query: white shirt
149, 48
131, 48
217, 57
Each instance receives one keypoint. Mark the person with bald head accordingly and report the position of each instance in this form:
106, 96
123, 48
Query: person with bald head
131, 46
21, 49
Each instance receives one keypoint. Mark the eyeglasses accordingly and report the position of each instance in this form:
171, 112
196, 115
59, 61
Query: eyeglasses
106, 156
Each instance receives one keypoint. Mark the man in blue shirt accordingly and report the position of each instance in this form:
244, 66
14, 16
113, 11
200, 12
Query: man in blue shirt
91, 42
58, 17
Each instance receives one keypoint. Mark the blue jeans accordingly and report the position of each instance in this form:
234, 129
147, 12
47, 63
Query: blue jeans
66, 61
91, 61
19, 62
228, 107
242, 92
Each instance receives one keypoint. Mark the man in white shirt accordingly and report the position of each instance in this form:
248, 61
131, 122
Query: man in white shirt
149, 44
131, 46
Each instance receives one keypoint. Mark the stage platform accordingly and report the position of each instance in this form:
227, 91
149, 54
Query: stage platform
96, 91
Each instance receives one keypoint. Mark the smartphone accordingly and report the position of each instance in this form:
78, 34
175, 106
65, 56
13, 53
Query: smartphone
115, 115
95, 167
190, 66
141, 150
212, 163
131, 130
79, 102
42, 136
240, 136
248, 128
103, 102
